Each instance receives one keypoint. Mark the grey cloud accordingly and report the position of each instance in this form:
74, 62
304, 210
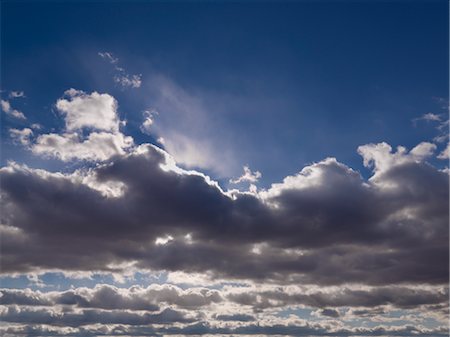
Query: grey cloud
325, 225
400, 297
236, 317
111, 298
139, 298
329, 313
48, 316
204, 328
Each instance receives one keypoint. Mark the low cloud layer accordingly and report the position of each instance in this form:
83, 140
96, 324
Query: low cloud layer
325, 225
314, 254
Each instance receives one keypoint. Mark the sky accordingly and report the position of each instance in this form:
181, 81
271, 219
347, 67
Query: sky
224, 168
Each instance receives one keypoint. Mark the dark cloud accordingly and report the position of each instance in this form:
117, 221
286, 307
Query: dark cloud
107, 297
399, 297
203, 328
325, 225
236, 318
49, 316
329, 313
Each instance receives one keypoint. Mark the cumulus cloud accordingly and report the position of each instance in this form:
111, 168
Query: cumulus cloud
81, 110
310, 228
324, 240
300, 329
383, 159
88, 316
6, 107
91, 130
108, 297
98, 146
186, 309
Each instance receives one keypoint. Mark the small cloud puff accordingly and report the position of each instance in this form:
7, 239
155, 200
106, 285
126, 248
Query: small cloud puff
148, 121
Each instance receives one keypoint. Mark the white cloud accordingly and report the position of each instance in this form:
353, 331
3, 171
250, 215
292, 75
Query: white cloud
16, 94
445, 154
21, 136
36, 126
126, 80
422, 151
121, 77
109, 56
68, 146
382, 158
6, 107
148, 121
92, 129
81, 110
248, 176
429, 117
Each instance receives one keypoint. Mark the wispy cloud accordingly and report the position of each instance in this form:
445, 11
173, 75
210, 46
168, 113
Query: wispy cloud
122, 77
248, 176
6, 107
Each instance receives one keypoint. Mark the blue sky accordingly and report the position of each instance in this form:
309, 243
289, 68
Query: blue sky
295, 81
167, 168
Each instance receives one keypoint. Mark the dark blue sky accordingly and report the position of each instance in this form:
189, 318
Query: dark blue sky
281, 84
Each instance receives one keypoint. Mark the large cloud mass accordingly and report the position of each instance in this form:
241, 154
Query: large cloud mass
324, 240
324, 225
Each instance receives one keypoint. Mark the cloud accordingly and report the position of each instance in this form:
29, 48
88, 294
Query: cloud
248, 176
146, 126
167, 304
109, 56
16, 94
383, 159
128, 81
88, 316
299, 329
81, 110
98, 146
445, 154
429, 117
21, 136
336, 297
121, 77
6, 107
325, 225
108, 297
442, 123
91, 130
329, 313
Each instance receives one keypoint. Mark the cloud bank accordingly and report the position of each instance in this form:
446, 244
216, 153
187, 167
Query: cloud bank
325, 240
